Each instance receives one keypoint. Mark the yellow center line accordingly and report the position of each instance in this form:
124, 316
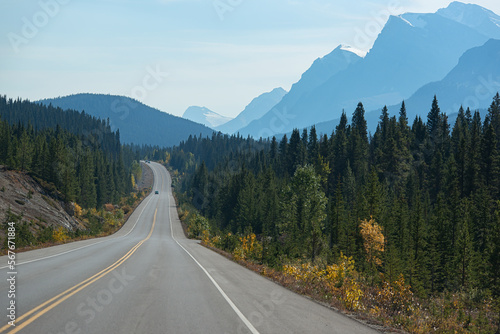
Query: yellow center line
75, 289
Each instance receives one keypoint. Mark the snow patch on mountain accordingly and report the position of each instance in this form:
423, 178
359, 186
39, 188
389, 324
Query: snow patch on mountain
357, 52
414, 19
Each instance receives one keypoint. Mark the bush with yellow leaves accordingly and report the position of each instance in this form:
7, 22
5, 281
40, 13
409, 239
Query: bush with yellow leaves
249, 248
59, 234
395, 297
78, 210
373, 240
338, 280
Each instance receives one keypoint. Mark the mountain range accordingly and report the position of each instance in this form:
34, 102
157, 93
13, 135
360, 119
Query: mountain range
453, 54
412, 51
472, 83
254, 110
137, 122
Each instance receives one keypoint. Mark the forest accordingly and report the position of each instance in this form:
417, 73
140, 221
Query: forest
76, 159
416, 200
77, 154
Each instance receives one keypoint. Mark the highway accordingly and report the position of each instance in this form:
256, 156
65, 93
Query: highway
148, 278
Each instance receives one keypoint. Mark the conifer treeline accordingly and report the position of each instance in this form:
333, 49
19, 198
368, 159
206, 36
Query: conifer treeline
76, 155
434, 189
94, 130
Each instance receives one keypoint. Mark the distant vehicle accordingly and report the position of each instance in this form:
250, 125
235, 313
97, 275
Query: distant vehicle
156, 192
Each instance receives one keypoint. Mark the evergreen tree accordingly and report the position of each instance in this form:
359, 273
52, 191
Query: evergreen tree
308, 204
433, 120
490, 164
464, 252
88, 196
358, 143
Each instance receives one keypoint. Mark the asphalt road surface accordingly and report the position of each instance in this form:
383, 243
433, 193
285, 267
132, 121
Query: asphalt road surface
148, 278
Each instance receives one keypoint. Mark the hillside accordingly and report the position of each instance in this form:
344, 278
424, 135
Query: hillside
138, 123
25, 196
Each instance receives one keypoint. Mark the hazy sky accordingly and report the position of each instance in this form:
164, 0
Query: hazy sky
171, 54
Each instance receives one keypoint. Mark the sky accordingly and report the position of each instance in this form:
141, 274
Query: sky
172, 54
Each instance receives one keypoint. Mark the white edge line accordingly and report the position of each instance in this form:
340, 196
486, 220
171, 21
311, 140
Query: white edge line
228, 300
96, 243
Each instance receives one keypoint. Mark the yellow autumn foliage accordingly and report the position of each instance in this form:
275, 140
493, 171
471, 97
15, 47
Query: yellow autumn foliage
339, 279
78, 211
373, 240
132, 179
60, 235
249, 248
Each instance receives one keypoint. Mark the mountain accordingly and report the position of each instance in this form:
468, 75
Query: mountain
205, 116
473, 16
137, 122
472, 83
255, 110
320, 71
411, 51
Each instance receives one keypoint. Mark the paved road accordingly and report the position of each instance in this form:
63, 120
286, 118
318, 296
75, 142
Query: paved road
148, 278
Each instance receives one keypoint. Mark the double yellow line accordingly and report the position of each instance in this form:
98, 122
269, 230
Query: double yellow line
53, 302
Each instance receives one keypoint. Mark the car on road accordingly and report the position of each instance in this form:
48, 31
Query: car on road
156, 192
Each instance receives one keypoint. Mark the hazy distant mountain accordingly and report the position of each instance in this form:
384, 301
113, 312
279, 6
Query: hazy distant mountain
319, 72
138, 123
411, 51
473, 16
255, 110
472, 83
205, 116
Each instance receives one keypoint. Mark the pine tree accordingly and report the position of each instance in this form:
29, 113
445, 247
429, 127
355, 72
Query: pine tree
403, 121
273, 152
338, 157
472, 177
433, 120
270, 204
494, 255
88, 197
295, 152
313, 147
24, 151
199, 190
464, 252
459, 140
374, 196
338, 233
358, 143
490, 165
283, 150
308, 203
493, 116
245, 212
